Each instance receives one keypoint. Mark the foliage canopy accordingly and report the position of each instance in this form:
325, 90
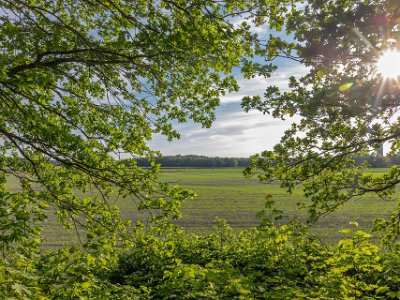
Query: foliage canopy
84, 83
347, 108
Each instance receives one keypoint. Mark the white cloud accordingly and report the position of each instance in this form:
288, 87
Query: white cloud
257, 85
235, 133
232, 135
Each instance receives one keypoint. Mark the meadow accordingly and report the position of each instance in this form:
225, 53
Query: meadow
226, 193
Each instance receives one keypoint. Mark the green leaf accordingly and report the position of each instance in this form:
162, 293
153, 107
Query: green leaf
382, 290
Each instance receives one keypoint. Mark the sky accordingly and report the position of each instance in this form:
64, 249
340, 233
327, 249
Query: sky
236, 133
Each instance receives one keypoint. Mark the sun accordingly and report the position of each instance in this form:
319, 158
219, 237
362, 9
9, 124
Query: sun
388, 64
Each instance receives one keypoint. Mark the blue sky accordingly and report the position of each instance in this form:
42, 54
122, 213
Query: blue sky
236, 133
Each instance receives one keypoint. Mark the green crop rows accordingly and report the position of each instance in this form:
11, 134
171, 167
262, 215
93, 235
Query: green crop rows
225, 193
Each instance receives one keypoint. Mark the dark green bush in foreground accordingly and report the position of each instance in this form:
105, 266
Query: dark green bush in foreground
263, 263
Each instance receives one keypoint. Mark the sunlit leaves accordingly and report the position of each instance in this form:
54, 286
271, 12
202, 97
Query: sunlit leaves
85, 85
347, 109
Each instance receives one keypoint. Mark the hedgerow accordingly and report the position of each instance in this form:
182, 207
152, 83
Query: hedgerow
260, 263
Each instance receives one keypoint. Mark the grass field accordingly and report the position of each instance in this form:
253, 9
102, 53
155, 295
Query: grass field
225, 193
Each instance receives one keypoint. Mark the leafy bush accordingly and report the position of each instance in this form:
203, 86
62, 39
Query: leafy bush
266, 263
260, 263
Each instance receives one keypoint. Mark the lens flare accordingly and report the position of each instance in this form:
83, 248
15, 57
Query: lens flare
389, 64
346, 86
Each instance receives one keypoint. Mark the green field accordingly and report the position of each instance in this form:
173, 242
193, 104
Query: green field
225, 193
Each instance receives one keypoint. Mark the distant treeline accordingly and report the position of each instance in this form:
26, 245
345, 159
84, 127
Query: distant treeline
378, 161
199, 161
196, 161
